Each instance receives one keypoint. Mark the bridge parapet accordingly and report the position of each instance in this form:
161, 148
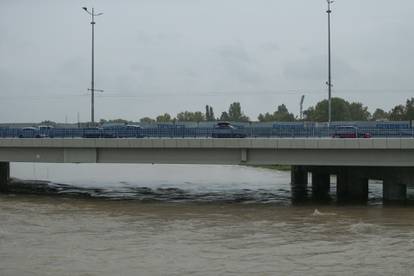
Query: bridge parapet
231, 143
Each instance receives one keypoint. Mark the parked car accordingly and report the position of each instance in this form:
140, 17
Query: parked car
93, 132
350, 132
227, 130
132, 131
46, 131
29, 132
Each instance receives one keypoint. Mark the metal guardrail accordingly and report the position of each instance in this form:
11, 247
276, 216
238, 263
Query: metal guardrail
201, 132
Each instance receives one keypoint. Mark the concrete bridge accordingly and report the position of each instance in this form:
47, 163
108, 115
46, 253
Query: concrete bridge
353, 161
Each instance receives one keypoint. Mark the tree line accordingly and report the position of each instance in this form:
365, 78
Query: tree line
342, 110
233, 114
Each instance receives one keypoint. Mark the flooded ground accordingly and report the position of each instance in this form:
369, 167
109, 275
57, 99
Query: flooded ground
198, 220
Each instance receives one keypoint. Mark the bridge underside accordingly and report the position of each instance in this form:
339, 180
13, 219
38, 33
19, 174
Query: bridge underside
351, 182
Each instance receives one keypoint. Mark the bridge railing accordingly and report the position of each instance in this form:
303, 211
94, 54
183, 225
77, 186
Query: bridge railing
204, 132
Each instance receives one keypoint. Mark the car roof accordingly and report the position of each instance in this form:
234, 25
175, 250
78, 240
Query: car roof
345, 127
133, 126
223, 123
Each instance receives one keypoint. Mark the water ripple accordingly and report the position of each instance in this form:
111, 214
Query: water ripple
147, 194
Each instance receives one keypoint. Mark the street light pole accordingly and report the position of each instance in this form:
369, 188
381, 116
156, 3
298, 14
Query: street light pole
329, 82
92, 89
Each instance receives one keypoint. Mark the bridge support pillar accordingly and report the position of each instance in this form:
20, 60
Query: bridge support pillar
299, 182
320, 184
394, 190
352, 185
4, 176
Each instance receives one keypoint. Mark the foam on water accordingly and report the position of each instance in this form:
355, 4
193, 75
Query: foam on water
127, 191
317, 213
364, 228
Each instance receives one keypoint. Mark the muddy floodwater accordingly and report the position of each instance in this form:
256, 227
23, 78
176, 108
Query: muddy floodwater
193, 220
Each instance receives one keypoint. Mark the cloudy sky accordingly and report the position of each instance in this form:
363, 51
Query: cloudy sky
155, 56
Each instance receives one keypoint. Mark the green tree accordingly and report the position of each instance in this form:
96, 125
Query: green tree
147, 120
48, 123
379, 115
280, 115
319, 113
358, 112
198, 117
209, 114
187, 116
398, 113
224, 116
235, 113
113, 121
267, 117
409, 109
164, 118
212, 118
119, 121
342, 110
402, 113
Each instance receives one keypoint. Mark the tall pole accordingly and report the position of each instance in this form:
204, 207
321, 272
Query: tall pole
92, 89
329, 83
93, 70
301, 107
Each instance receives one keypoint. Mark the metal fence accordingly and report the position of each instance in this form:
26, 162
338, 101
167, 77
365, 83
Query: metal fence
276, 131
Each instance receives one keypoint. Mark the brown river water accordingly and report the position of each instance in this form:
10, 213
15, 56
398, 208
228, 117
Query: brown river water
193, 220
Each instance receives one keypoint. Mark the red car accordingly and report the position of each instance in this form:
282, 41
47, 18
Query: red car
350, 132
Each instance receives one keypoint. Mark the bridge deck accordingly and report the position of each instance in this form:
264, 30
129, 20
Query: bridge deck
291, 151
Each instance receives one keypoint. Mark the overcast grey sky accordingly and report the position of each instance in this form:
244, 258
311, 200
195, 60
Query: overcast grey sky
155, 56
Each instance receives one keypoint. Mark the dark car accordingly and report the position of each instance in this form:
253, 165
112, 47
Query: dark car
350, 132
29, 132
227, 130
129, 131
97, 132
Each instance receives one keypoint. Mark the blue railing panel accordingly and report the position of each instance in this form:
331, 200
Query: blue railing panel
275, 131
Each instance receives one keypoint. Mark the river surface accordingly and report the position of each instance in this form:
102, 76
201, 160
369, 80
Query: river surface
192, 220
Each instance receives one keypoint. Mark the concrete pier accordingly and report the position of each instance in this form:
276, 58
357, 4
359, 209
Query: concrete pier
352, 182
320, 184
299, 182
394, 190
4, 176
352, 185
